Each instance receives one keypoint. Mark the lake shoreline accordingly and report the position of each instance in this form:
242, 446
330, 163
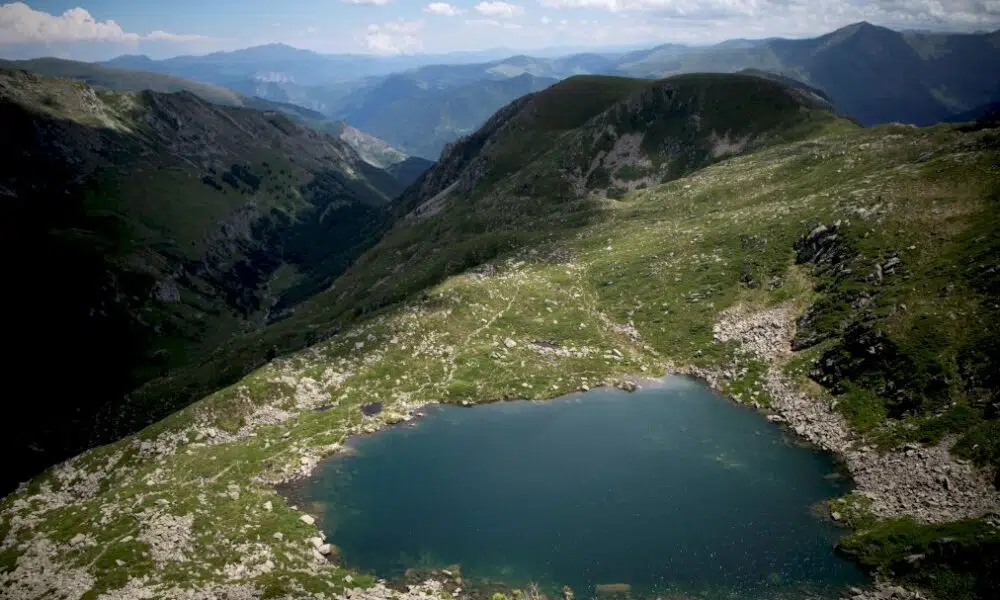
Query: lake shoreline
679, 404
923, 482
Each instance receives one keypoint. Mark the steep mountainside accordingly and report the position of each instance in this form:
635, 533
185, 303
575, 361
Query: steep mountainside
151, 226
871, 73
838, 279
127, 80
374, 151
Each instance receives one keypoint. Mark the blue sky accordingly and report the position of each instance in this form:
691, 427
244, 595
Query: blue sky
100, 29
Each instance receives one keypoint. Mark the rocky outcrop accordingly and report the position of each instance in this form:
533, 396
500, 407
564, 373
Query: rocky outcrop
926, 483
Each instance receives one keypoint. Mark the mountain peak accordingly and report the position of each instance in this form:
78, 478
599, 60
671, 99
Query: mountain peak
662, 129
130, 59
861, 27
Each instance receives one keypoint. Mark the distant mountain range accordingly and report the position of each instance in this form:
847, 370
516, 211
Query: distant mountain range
420, 118
870, 73
282, 63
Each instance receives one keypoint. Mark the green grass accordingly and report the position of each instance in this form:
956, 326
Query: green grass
956, 560
420, 319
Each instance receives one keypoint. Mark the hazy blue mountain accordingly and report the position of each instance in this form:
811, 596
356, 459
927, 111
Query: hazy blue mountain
420, 120
280, 63
871, 73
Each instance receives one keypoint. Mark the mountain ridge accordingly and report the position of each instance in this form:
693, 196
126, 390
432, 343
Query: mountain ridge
377, 152
871, 73
814, 272
179, 222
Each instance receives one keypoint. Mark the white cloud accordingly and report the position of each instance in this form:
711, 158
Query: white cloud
499, 9
394, 37
442, 8
366, 2
680, 8
545, 20
21, 24
164, 36
492, 23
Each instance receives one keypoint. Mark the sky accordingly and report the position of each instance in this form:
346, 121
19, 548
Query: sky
102, 29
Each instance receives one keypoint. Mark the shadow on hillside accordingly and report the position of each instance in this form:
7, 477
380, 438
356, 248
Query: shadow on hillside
103, 298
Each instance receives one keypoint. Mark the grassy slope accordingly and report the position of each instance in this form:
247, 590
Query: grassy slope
665, 260
110, 195
524, 197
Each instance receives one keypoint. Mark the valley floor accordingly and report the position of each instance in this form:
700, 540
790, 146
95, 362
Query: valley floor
187, 508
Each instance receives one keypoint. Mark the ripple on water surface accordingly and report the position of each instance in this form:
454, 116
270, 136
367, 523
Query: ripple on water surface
672, 490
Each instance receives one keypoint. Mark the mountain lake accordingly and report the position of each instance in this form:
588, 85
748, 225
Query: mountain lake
670, 491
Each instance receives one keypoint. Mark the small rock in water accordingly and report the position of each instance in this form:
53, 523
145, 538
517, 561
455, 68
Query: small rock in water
307, 519
325, 549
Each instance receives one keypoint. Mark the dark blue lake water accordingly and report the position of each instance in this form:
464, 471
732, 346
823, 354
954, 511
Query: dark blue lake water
673, 490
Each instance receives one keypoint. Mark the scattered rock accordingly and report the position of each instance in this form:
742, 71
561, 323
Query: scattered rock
628, 386
910, 481
510, 343
308, 519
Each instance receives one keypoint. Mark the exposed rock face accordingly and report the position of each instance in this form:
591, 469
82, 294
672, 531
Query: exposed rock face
928, 484
371, 149
168, 536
